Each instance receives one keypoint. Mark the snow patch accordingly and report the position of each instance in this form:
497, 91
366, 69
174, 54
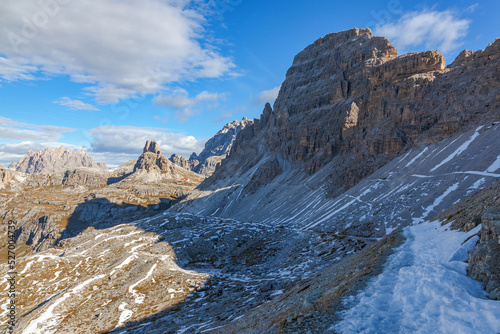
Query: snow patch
459, 150
46, 322
494, 166
421, 291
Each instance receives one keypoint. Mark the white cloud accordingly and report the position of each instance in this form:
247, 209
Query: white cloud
112, 144
268, 95
74, 104
433, 29
185, 106
12, 130
117, 144
119, 48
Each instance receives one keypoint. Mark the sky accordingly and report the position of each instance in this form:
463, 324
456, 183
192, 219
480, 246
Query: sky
107, 75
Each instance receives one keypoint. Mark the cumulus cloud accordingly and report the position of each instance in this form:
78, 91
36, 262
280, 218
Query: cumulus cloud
12, 130
185, 106
268, 95
434, 29
119, 48
74, 104
112, 144
117, 144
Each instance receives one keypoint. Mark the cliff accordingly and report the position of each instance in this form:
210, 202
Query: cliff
216, 149
348, 97
348, 106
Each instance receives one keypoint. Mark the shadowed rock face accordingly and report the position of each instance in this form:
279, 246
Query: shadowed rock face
87, 177
55, 160
216, 149
348, 97
484, 259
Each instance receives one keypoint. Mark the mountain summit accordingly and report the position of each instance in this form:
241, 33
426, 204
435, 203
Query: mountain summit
59, 159
216, 149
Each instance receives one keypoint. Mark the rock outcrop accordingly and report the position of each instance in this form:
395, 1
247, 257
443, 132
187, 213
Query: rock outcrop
179, 160
484, 259
152, 166
5, 176
152, 158
349, 98
56, 160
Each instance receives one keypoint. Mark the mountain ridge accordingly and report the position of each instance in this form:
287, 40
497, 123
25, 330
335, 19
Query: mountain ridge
55, 160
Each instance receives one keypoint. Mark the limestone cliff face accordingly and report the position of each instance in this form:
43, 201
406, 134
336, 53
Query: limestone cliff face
349, 98
152, 158
216, 149
48, 161
221, 143
484, 259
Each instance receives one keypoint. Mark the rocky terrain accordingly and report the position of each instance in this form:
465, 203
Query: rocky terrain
216, 149
53, 161
50, 206
352, 205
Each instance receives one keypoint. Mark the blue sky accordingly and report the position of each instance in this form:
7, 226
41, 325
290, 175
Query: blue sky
107, 75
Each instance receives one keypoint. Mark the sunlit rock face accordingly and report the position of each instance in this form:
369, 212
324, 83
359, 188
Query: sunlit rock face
56, 160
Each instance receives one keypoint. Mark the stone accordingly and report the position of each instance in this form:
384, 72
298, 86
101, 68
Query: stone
484, 259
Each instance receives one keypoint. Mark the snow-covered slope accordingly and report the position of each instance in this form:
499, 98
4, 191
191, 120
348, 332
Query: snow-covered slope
424, 289
411, 188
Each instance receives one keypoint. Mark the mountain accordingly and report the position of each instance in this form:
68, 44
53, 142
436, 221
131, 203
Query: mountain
216, 149
50, 207
220, 144
348, 106
369, 188
56, 160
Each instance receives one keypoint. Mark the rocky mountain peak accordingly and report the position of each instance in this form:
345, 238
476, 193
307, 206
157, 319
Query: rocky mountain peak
54, 160
152, 158
221, 143
152, 146
216, 149
350, 101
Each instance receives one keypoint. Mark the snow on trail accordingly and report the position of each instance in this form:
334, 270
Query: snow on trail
423, 289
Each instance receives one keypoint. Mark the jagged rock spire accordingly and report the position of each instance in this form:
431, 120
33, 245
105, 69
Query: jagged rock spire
152, 146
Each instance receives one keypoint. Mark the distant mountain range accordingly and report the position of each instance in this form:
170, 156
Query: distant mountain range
56, 160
